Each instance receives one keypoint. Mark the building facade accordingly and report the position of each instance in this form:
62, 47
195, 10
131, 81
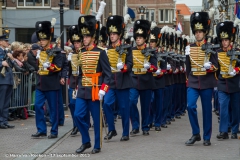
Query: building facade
160, 11
20, 16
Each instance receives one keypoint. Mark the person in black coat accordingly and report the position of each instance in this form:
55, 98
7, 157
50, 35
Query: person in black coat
32, 54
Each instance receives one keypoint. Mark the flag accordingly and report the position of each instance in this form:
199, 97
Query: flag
131, 13
86, 5
237, 9
179, 27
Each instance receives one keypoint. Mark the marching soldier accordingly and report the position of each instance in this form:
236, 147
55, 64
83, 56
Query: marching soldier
103, 38
228, 80
144, 63
121, 66
6, 82
48, 82
94, 72
157, 105
75, 39
200, 71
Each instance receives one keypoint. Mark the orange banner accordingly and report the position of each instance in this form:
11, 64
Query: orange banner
86, 5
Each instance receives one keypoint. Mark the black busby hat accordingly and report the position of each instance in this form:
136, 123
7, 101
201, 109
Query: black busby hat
141, 28
44, 30
200, 21
155, 35
103, 34
87, 25
115, 24
73, 34
226, 30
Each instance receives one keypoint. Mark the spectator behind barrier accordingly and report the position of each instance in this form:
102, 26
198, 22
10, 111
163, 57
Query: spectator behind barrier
32, 56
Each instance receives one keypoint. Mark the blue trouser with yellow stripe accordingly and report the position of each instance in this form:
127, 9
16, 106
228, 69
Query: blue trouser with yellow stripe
206, 99
122, 96
145, 100
227, 100
53, 100
166, 93
158, 106
83, 108
71, 105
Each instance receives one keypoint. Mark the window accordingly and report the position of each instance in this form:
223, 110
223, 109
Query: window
34, 3
24, 34
166, 16
161, 19
142, 16
4, 4
150, 15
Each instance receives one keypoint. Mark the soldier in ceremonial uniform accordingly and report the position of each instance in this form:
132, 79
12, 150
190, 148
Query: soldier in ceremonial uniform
143, 81
201, 78
121, 66
94, 72
157, 105
103, 38
48, 81
228, 80
75, 38
6, 82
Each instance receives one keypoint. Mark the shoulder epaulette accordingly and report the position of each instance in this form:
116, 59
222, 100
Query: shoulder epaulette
101, 48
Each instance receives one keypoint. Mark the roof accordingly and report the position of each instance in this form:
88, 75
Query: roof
184, 9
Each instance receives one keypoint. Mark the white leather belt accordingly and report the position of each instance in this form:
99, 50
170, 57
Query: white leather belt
221, 72
196, 69
139, 69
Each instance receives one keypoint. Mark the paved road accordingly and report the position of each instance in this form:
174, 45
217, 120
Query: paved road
166, 144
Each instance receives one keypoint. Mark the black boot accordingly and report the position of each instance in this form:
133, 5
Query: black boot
74, 131
110, 135
193, 139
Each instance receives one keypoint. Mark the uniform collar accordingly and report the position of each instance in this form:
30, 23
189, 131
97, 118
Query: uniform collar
141, 47
227, 49
89, 48
117, 44
199, 44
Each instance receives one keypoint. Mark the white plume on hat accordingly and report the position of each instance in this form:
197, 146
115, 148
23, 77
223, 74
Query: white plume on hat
173, 31
187, 38
183, 36
126, 18
236, 22
164, 29
211, 12
100, 10
132, 39
126, 36
153, 24
53, 22
178, 33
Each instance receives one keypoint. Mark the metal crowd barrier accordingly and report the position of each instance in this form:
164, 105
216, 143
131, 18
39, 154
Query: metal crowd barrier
22, 91
23, 94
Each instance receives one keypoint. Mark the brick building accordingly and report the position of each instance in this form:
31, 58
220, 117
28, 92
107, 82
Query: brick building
160, 11
21, 15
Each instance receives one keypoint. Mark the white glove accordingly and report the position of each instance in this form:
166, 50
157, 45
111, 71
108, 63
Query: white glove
120, 65
38, 54
146, 65
169, 67
158, 72
101, 93
187, 50
46, 65
233, 73
70, 56
207, 65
